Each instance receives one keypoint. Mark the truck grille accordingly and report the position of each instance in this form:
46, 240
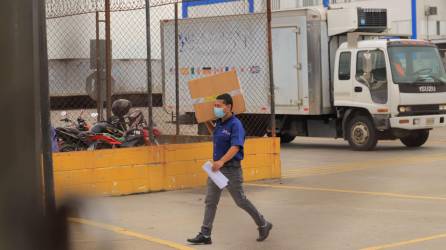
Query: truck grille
417, 110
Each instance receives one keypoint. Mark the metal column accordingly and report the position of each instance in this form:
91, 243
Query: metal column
108, 58
414, 19
45, 107
177, 75
149, 72
271, 72
24, 93
99, 101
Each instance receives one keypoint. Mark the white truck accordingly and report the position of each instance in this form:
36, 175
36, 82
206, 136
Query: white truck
339, 74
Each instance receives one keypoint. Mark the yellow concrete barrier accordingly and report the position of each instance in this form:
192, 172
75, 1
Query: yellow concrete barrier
155, 168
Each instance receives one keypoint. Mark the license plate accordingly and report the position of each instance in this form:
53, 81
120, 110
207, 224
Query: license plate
430, 121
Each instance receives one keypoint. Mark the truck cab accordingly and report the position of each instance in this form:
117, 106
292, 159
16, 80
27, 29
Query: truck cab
389, 89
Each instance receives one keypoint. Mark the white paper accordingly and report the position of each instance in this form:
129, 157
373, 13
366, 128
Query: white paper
217, 177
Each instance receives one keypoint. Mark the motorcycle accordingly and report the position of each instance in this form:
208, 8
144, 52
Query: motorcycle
117, 132
72, 136
122, 132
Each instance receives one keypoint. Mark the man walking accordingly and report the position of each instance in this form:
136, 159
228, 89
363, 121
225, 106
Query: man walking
229, 137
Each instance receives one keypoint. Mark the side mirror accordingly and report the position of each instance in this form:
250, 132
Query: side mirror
367, 67
63, 113
444, 59
368, 64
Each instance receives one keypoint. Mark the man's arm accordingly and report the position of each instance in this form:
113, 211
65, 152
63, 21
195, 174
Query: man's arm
233, 150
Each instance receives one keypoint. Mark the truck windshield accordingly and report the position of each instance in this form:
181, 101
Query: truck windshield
416, 64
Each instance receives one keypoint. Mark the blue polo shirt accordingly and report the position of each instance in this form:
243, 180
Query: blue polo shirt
227, 134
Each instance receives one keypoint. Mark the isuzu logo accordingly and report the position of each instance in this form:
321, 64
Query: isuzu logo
427, 89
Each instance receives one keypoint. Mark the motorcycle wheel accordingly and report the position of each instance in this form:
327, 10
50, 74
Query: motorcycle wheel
67, 148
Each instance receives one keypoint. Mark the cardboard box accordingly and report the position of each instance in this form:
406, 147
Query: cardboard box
204, 92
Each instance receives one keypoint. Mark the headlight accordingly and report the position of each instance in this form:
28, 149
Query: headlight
442, 107
404, 109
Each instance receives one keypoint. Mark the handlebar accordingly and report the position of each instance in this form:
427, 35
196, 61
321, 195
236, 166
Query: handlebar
66, 120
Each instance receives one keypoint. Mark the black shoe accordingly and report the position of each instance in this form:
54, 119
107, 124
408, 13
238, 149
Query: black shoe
201, 239
264, 231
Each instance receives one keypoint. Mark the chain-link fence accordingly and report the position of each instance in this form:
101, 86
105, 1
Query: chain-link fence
95, 59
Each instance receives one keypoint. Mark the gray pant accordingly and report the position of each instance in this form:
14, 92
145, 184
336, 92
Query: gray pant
235, 188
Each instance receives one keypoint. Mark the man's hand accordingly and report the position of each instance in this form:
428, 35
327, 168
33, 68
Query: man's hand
217, 165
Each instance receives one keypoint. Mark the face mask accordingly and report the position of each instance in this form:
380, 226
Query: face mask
218, 112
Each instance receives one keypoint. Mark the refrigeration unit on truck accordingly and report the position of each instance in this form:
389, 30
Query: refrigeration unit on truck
338, 73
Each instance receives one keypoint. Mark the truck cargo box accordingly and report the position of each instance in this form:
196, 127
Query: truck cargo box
212, 45
300, 59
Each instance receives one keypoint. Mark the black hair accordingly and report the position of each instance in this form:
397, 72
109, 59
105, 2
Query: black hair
227, 99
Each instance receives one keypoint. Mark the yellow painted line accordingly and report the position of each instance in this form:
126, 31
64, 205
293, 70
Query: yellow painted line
332, 190
405, 243
357, 166
124, 231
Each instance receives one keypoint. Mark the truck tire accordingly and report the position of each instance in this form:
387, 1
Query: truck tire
286, 138
416, 138
361, 133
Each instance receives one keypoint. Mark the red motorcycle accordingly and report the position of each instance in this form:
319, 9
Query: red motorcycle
110, 134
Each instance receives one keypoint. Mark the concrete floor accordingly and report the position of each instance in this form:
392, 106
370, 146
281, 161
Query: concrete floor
329, 198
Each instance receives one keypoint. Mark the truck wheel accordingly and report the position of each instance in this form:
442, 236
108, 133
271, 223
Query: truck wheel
361, 133
416, 138
286, 138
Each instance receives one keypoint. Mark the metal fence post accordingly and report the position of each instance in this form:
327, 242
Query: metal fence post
99, 101
177, 77
149, 72
108, 57
45, 106
271, 74
21, 77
